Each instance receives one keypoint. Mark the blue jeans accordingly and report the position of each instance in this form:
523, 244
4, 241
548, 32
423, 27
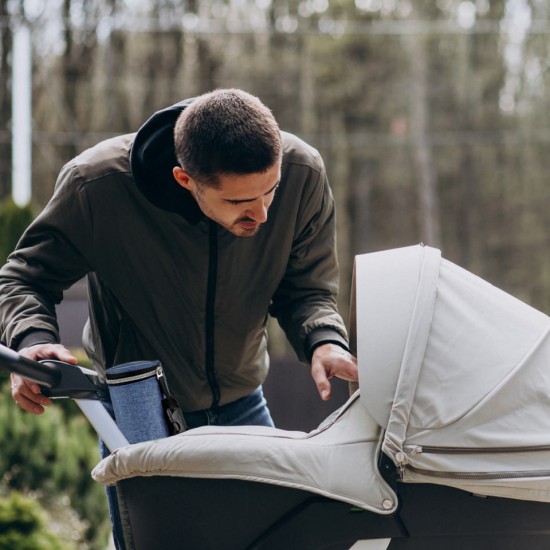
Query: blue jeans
250, 410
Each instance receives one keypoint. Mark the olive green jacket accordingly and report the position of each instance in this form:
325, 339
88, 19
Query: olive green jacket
167, 283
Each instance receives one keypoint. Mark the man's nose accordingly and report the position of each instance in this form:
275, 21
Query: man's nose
258, 210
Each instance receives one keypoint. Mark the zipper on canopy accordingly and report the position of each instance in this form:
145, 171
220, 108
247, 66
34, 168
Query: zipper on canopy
479, 475
427, 449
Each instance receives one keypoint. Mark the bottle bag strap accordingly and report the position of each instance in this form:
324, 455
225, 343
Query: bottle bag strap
172, 410
143, 406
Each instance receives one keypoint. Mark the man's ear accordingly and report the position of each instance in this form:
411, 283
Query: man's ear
183, 178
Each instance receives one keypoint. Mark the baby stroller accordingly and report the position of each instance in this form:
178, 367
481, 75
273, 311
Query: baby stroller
446, 444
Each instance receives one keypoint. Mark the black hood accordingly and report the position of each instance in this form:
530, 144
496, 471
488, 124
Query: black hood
153, 158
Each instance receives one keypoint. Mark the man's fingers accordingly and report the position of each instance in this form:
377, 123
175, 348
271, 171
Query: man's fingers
324, 388
28, 405
49, 351
27, 395
329, 361
65, 355
321, 381
348, 373
325, 392
346, 368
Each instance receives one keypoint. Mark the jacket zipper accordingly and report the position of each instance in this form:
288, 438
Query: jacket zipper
511, 474
210, 310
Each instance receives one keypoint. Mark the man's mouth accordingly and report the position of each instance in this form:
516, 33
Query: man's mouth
247, 223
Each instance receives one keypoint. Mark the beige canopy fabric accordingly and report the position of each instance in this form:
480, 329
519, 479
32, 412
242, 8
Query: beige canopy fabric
457, 371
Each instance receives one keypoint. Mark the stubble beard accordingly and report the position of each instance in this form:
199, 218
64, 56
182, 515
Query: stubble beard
233, 228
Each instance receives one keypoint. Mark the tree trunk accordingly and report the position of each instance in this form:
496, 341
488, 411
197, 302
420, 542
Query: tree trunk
340, 174
465, 210
423, 160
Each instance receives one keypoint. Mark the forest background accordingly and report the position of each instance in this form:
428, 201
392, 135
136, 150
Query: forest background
432, 115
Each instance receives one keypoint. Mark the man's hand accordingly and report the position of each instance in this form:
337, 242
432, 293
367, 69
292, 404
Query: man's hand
27, 394
331, 360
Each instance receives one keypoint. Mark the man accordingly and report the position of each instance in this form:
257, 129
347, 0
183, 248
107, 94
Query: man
190, 232
183, 261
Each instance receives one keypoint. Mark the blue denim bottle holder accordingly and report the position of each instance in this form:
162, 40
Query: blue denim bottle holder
142, 404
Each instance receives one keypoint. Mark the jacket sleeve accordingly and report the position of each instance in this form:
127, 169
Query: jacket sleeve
305, 301
46, 261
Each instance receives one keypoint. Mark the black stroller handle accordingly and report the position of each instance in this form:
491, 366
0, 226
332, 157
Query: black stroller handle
56, 378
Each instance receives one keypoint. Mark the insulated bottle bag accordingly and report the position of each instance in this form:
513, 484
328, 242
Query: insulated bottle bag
142, 404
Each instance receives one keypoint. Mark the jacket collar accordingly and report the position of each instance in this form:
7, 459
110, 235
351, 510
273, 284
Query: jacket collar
152, 159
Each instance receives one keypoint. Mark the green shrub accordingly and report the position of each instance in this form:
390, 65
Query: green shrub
52, 455
13, 222
23, 525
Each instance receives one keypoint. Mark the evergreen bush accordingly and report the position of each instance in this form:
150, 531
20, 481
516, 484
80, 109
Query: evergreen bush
13, 222
23, 525
49, 456
52, 455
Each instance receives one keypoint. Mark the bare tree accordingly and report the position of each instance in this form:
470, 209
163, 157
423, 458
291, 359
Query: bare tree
77, 68
421, 148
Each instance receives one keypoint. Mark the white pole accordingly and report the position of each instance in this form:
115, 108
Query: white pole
103, 424
21, 115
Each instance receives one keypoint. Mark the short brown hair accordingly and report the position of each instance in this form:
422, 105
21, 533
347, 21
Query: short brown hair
226, 131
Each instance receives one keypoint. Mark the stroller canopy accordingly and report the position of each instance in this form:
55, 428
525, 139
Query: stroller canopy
457, 371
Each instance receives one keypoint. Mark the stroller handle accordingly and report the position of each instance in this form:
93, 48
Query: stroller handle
57, 379
46, 375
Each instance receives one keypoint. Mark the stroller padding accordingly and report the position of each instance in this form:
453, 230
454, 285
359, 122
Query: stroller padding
337, 460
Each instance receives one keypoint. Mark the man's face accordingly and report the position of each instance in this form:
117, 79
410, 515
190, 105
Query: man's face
240, 202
